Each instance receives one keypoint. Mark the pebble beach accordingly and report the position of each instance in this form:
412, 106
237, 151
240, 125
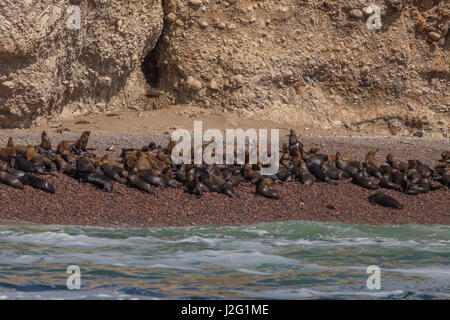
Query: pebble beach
76, 203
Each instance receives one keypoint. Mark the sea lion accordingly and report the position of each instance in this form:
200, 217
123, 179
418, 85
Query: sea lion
384, 200
284, 174
250, 174
45, 141
361, 181
292, 138
152, 178
386, 183
10, 180
445, 180
110, 172
66, 146
169, 181
84, 166
396, 163
319, 174
33, 181
335, 173
64, 167
101, 181
3, 165
262, 188
370, 161
194, 186
303, 175
82, 142
181, 174
227, 189
344, 166
140, 184
23, 164
318, 159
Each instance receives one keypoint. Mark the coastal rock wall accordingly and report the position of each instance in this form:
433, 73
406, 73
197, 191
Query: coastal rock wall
313, 63
61, 60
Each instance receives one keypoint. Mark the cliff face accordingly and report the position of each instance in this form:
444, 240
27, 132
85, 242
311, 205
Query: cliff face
312, 62
50, 65
309, 62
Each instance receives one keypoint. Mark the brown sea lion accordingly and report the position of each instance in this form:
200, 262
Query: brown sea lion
140, 184
10, 180
345, 166
45, 141
384, 200
396, 163
262, 188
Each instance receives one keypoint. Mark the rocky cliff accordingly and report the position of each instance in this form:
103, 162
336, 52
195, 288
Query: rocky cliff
316, 63
72, 57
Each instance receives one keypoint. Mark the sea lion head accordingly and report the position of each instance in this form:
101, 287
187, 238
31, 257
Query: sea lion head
10, 143
45, 141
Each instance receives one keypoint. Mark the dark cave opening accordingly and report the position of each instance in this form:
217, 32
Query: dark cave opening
150, 68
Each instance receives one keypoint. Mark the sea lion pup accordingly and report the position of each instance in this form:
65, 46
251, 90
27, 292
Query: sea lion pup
45, 141
262, 188
361, 181
341, 164
136, 182
384, 200
10, 180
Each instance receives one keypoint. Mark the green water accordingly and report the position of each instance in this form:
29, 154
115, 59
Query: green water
287, 260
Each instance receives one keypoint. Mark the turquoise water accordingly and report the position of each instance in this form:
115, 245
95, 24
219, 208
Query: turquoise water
287, 260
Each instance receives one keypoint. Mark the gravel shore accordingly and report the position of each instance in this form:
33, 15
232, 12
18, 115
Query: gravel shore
82, 204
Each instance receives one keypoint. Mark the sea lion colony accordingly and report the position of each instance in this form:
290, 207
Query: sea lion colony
151, 166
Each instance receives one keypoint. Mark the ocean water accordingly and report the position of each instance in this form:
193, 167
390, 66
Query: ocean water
287, 260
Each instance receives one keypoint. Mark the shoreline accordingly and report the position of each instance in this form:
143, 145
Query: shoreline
79, 204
